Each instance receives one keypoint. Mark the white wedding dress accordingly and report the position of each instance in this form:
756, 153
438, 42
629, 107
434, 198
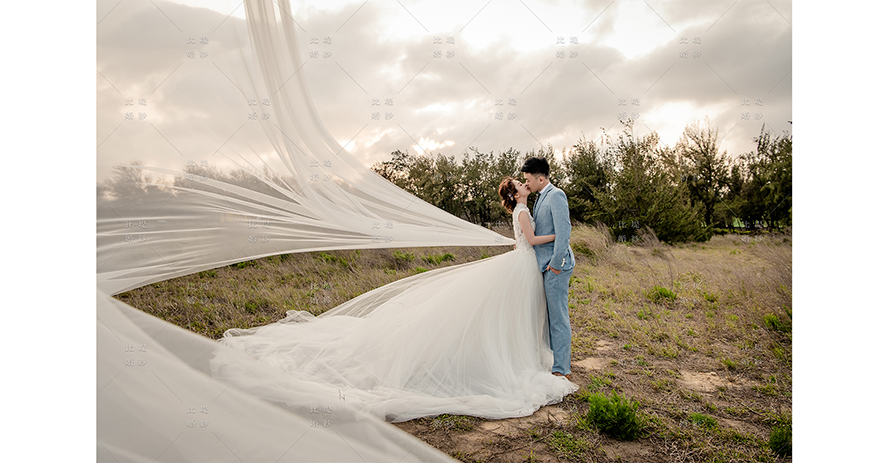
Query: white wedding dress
469, 339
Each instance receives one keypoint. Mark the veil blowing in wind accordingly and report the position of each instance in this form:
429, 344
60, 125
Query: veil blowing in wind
206, 158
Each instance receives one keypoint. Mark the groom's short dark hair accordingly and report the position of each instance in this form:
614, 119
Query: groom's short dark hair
536, 165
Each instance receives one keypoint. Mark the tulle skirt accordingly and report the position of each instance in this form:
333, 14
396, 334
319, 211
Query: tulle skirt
470, 339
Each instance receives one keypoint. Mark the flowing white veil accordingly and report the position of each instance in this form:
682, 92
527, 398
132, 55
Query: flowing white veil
210, 152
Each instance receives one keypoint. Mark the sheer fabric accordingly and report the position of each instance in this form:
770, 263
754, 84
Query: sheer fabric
210, 152
156, 402
470, 339
232, 162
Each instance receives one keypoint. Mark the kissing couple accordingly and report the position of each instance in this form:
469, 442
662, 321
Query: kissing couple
489, 338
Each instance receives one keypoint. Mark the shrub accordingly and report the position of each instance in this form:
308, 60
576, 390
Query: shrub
251, 307
254, 306
436, 259
660, 293
582, 249
781, 439
729, 364
773, 322
615, 416
244, 264
333, 259
402, 259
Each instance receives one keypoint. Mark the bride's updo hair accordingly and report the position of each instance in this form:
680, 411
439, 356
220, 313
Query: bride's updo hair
507, 191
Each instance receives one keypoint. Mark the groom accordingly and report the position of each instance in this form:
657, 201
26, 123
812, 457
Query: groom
556, 259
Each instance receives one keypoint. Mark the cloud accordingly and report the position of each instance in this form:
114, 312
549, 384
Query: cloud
501, 53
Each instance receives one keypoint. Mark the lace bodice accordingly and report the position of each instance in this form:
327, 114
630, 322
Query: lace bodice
522, 243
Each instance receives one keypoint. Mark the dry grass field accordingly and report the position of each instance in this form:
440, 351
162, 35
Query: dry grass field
683, 353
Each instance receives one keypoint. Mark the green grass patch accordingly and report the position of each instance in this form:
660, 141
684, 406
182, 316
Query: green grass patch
245, 264
729, 364
662, 385
567, 445
452, 422
768, 389
436, 259
780, 440
341, 261
615, 416
773, 322
582, 249
659, 294
403, 259
596, 383
779, 352
703, 421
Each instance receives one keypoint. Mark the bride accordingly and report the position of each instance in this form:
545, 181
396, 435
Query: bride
469, 339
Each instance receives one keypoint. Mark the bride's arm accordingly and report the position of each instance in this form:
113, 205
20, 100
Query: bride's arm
524, 221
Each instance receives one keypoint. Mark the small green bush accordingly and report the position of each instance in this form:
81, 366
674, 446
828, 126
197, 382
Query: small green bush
781, 439
582, 249
332, 259
251, 307
436, 259
254, 306
615, 416
245, 264
660, 293
729, 364
773, 322
403, 259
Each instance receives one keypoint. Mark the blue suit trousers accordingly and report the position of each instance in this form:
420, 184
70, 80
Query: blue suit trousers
559, 318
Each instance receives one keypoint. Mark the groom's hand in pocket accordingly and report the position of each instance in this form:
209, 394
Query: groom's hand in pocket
557, 272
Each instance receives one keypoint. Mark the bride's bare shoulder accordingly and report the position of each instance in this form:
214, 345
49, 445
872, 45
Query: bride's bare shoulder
518, 210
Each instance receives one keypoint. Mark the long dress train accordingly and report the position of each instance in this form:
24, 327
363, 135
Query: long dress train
469, 339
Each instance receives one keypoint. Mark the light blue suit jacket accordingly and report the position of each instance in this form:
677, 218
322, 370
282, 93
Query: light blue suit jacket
551, 216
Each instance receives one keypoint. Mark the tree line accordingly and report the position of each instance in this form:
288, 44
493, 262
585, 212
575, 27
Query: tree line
686, 192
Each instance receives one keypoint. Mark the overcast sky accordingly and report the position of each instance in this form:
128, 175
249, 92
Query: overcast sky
523, 73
